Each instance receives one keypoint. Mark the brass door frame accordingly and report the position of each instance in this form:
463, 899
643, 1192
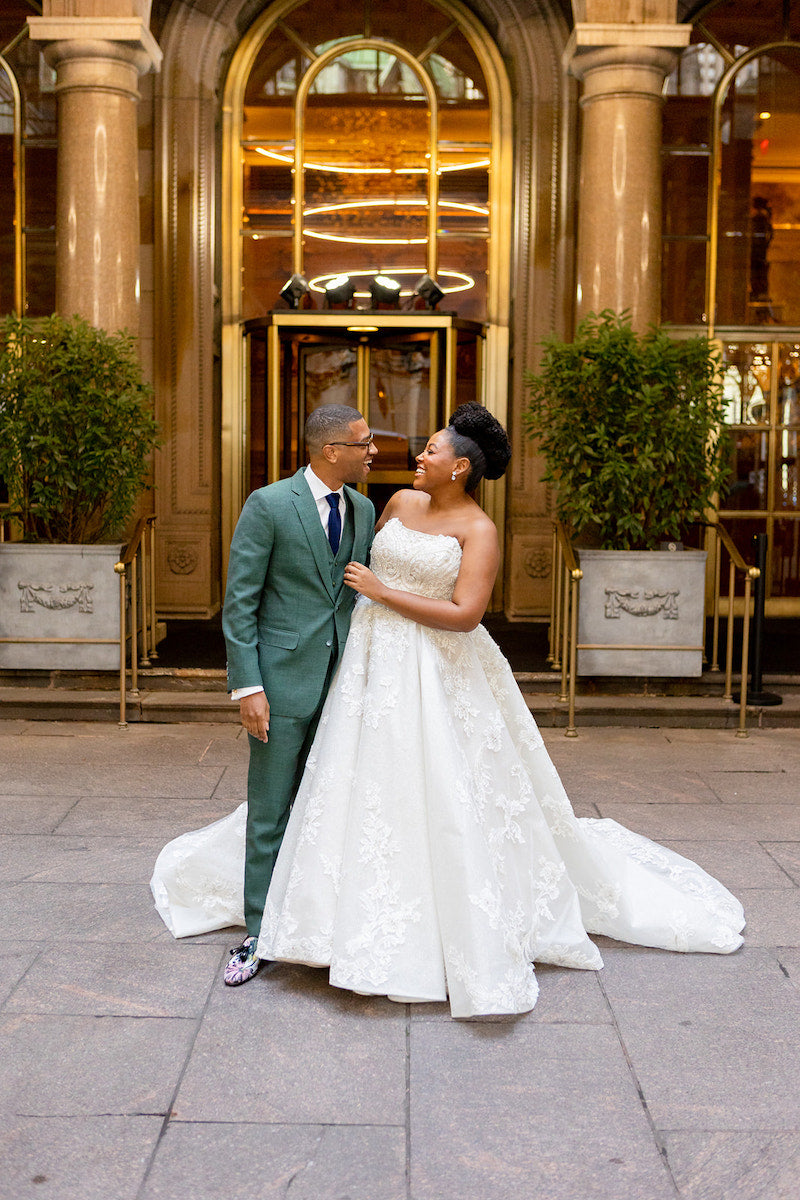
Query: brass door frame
715, 162
495, 355
375, 326
772, 336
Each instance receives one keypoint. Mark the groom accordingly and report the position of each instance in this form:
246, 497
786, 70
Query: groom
285, 619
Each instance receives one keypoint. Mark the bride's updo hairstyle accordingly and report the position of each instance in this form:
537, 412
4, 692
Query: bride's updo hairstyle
475, 434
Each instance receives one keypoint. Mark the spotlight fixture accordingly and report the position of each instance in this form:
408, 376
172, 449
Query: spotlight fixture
297, 293
427, 293
385, 292
339, 292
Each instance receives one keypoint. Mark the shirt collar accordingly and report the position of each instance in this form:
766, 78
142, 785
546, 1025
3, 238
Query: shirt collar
319, 490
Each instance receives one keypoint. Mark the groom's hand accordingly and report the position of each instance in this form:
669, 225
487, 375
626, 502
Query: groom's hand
254, 710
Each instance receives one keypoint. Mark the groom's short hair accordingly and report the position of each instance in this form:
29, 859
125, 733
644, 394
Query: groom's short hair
329, 423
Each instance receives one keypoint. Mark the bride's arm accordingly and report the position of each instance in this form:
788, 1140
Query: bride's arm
480, 559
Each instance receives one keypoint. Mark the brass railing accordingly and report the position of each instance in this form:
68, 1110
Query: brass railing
723, 541
563, 634
137, 582
565, 597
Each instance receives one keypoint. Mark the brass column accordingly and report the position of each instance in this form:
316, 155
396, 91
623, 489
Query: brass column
622, 68
97, 63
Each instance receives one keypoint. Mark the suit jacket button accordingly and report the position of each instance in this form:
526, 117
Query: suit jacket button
329, 643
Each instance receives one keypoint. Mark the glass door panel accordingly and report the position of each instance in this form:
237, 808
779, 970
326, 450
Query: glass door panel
405, 377
762, 388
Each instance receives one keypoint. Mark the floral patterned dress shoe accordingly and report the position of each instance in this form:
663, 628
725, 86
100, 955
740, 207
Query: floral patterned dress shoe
243, 963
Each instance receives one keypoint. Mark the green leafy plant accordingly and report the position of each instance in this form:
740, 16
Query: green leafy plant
76, 428
632, 430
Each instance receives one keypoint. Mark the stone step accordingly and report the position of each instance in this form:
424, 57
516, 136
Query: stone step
170, 705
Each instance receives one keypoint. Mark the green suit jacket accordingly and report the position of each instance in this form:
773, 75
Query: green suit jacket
286, 605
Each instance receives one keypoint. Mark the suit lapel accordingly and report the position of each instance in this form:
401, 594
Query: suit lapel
361, 524
308, 513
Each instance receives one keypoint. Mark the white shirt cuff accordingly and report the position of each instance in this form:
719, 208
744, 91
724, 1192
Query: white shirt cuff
240, 693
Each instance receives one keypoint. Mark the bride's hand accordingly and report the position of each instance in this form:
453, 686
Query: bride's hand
362, 580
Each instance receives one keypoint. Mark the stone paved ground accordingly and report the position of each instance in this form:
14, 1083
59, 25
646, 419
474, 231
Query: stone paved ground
127, 1071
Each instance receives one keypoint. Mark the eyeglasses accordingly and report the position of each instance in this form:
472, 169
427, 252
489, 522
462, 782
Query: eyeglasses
360, 445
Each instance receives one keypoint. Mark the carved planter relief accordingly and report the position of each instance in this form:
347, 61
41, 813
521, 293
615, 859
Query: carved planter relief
641, 612
59, 607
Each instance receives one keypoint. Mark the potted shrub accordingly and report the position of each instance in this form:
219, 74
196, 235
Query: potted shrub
76, 432
632, 430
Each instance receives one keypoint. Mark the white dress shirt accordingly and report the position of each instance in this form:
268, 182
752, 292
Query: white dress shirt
320, 491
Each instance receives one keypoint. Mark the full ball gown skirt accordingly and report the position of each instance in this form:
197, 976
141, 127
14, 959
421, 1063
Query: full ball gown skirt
432, 850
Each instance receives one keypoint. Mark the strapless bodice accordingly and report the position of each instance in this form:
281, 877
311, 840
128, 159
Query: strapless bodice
411, 561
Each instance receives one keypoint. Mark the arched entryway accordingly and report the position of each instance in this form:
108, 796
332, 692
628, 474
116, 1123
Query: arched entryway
362, 141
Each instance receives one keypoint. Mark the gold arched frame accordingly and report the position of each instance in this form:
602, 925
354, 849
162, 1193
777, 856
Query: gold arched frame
307, 82
233, 368
715, 163
18, 184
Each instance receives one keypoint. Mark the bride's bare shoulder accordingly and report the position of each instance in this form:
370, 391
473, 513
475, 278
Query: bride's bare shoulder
480, 528
408, 501
401, 505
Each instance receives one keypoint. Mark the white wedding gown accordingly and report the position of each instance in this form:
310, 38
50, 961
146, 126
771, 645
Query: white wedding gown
432, 850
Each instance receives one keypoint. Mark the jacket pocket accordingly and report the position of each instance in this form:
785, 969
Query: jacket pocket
287, 639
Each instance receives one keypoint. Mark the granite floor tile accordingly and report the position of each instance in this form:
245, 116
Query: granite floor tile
64, 859
716, 822
522, 1110
773, 916
637, 750
715, 1039
65, 1066
310, 1162
226, 752
608, 785
115, 779
76, 1158
138, 815
33, 814
140, 731
735, 1166
740, 864
233, 784
110, 750
321, 1056
787, 856
582, 808
15, 959
789, 960
565, 997
79, 912
134, 980
754, 787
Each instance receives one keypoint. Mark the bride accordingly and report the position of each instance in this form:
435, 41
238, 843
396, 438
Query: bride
432, 851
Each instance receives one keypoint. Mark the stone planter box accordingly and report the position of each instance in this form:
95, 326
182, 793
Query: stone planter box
650, 599
66, 593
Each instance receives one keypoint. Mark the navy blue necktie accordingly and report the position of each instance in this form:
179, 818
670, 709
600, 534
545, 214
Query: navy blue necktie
334, 521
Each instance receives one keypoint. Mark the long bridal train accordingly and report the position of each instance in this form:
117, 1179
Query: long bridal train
432, 851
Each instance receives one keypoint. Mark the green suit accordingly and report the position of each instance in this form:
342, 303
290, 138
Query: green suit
285, 619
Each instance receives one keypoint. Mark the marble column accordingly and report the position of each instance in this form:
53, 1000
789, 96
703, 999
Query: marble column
622, 69
97, 63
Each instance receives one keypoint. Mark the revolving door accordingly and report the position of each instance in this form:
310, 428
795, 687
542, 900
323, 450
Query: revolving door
404, 372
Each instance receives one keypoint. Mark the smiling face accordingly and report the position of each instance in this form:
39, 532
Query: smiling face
351, 462
436, 463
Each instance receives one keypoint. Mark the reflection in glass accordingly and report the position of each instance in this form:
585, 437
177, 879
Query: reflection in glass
785, 574
759, 202
748, 487
746, 384
399, 401
329, 377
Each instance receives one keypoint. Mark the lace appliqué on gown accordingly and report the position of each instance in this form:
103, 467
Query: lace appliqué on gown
432, 851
